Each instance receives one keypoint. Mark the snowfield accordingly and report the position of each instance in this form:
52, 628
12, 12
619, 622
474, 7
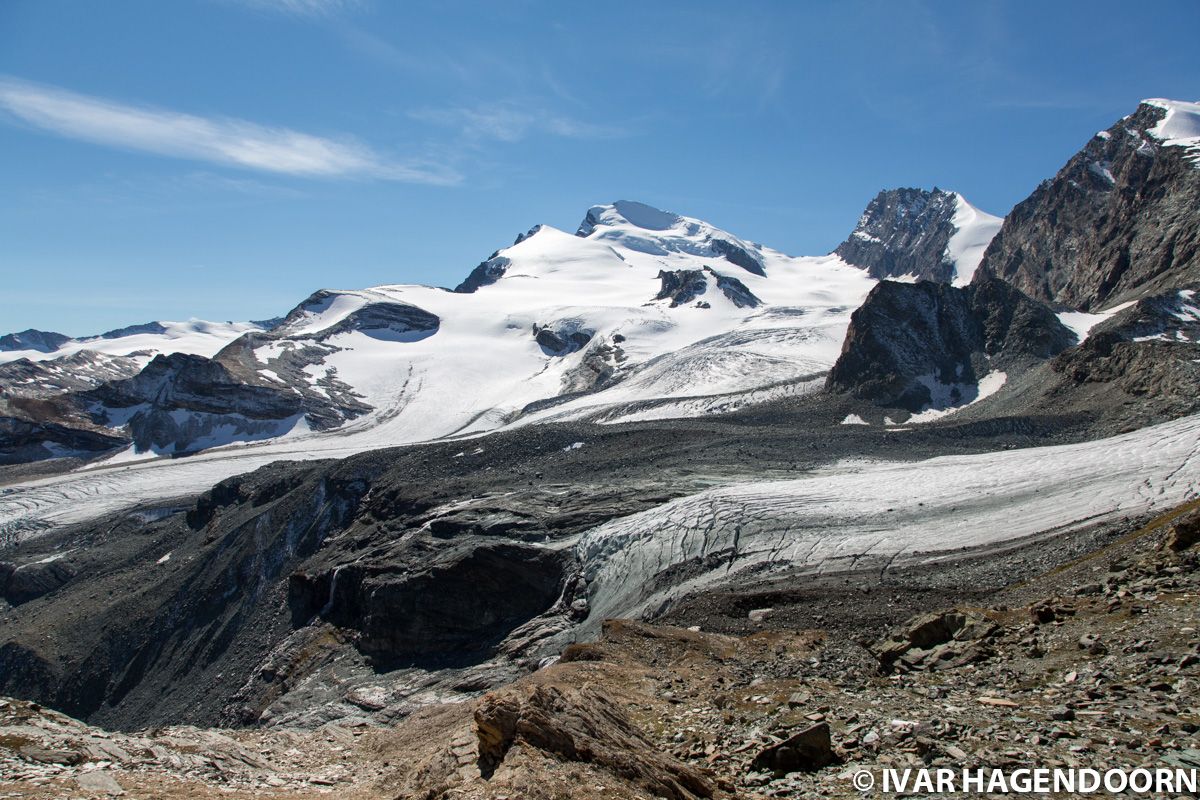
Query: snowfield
873, 514
195, 336
973, 232
1180, 127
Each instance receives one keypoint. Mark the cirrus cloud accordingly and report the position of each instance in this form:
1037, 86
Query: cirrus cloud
218, 140
510, 122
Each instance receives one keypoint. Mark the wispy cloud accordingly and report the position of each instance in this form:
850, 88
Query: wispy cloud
303, 8
230, 142
509, 122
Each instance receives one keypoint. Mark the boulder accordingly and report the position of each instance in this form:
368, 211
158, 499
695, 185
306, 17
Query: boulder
937, 641
580, 725
806, 751
1185, 532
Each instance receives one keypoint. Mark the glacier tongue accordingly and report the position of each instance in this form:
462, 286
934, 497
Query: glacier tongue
868, 515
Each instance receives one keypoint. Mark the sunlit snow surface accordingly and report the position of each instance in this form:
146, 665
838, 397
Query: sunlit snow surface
196, 337
1180, 127
974, 231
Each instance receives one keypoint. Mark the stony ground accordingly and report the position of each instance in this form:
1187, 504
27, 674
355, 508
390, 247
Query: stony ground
1095, 662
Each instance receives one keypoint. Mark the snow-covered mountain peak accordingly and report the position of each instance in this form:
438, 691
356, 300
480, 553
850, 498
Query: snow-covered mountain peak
645, 229
1179, 127
630, 213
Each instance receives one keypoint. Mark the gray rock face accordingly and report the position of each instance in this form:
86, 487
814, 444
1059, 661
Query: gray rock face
381, 319
1116, 223
487, 273
202, 388
806, 751
20, 583
128, 330
410, 557
77, 372
736, 291
908, 338
1139, 367
562, 337
682, 286
400, 606
24, 440
904, 232
739, 256
1145, 356
42, 341
938, 640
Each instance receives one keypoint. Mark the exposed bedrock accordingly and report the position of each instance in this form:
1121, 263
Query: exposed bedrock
436, 600
904, 232
180, 400
41, 341
22, 441
1116, 223
563, 336
171, 611
682, 286
214, 610
907, 337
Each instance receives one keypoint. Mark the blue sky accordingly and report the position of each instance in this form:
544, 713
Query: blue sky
223, 158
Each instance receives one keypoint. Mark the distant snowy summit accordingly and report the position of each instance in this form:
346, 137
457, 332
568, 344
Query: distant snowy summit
642, 314
638, 314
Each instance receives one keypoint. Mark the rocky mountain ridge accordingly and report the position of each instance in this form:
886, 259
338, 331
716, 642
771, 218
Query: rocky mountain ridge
1117, 222
914, 234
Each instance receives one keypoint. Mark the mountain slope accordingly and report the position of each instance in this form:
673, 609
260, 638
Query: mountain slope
1117, 222
929, 346
558, 325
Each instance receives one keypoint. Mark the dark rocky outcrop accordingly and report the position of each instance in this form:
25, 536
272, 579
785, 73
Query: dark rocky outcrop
805, 751
163, 600
194, 383
907, 337
736, 291
682, 286
1184, 533
129, 330
739, 256
1116, 223
380, 317
904, 232
562, 337
1139, 367
579, 725
25, 440
42, 341
77, 372
939, 640
485, 274
448, 600
20, 583
199, 386
213, 609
